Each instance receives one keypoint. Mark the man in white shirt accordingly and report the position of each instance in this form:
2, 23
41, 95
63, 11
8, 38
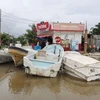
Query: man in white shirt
47, 43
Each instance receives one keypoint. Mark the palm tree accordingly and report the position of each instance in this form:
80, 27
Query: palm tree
96, 30
5, 39
30, 34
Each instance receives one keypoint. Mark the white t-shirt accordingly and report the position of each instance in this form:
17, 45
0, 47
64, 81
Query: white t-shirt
47, 43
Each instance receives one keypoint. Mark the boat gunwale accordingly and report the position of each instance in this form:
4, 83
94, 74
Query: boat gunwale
17, 48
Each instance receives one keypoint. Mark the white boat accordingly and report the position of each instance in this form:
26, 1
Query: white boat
81, 66
46, 62
5, 56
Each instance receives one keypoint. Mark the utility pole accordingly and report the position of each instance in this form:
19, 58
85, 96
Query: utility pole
0, 29
0, 20
91, 39
85, 40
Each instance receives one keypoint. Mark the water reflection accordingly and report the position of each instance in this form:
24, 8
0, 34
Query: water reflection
16, 82
20, 82
5, 68
81, 87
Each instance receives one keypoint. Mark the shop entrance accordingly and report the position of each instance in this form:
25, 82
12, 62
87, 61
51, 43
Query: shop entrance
49, 39
46, 39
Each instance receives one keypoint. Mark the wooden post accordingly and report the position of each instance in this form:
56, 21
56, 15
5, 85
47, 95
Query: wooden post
91, 40
85, 40
0, 29
0, 39
0, 20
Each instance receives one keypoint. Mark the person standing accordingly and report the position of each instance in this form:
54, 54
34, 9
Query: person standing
47, 43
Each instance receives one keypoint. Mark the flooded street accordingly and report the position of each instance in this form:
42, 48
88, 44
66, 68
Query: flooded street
16, 85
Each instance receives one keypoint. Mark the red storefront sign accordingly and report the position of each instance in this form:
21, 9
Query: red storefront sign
42, 26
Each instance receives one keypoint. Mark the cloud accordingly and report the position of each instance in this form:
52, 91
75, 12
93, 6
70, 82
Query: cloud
50, 10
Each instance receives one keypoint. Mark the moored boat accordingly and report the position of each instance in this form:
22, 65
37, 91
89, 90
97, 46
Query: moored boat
45, 62
18, 53
81, 66
5, 56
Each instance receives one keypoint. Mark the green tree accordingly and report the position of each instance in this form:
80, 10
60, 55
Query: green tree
30, 34
22, 39
5, 39
96, 30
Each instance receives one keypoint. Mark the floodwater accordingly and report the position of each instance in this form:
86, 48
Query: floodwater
16, 85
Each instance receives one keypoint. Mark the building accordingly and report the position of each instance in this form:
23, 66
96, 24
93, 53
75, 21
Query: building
69, 35
96, 40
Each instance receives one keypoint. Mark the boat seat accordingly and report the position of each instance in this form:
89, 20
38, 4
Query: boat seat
52, 57
41, 54
47, 56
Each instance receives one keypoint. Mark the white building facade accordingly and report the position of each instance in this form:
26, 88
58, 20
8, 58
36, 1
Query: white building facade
69, 35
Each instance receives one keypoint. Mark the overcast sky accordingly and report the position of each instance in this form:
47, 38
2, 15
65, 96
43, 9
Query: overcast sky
74, 11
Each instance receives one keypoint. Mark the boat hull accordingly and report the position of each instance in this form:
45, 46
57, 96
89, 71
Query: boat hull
46, 69
17, 54
46, 63
81, 67
5, 56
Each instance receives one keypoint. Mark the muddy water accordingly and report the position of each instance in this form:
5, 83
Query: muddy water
16, 85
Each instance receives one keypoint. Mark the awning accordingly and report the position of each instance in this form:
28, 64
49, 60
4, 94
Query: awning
43, 35
40, 38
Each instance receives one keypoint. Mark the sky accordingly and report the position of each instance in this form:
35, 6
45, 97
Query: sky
66, 11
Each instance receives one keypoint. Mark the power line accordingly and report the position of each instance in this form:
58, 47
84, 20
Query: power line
13, 33
14, 18
16, 21
10, 18
18, 17
7, 27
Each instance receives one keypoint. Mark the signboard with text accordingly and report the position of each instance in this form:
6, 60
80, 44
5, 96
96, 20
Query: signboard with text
43, 27
68, 27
